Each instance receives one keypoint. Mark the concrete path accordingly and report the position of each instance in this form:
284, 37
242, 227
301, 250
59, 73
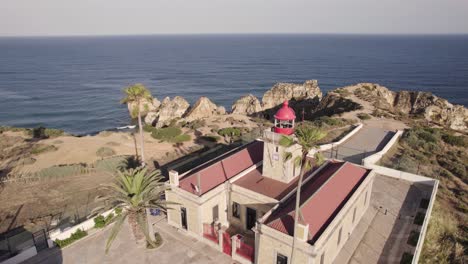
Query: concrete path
365, 142
177, 248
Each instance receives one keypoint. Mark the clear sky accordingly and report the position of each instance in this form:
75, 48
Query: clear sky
123, 17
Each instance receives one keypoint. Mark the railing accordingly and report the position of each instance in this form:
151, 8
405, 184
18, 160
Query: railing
210, 232
245, 251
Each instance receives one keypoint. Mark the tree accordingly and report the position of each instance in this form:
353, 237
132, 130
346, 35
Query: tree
307, 137
135, 191
137, 94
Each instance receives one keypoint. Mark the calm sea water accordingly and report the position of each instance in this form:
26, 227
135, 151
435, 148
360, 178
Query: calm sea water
76, 83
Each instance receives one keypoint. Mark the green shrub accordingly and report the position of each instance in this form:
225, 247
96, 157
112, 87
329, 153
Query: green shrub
42, 132
166, 133
100, 221
458, 141
196, 124
326, 120
181, 138
148, 128
39, 148
229, 131
105, 152
363, 116
118, 210
75, 236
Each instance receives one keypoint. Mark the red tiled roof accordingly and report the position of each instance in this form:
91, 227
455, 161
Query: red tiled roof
219, 172
254, 181
321, 199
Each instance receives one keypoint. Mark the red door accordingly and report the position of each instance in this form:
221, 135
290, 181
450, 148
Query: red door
227, 248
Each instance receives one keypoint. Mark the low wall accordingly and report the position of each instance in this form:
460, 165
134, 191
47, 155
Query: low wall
86, 225
22, 256
341, 141
422, 234
371, 161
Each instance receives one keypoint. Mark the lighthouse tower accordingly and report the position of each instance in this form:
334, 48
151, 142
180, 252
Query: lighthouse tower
275, 164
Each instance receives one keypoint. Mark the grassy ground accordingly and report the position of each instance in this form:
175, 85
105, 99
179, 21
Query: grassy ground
442, 155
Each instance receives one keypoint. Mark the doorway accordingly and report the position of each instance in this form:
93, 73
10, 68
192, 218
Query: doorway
183, 217
251, 218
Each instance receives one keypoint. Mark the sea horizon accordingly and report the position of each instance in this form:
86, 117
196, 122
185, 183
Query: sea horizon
75, 83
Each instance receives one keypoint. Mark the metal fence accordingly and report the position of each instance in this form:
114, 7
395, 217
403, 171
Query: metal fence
15, 241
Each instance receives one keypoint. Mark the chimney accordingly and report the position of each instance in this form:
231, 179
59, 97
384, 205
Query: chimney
302, 232
174, 177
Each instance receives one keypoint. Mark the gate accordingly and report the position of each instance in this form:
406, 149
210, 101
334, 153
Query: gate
227, 248
40, 240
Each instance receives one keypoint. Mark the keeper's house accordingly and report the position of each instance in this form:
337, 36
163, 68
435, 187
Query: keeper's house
243, 202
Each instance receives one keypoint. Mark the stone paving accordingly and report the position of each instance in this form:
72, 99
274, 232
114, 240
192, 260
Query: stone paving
382, 234
177, 248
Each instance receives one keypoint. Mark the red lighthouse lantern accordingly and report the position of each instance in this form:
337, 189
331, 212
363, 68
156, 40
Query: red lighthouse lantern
284, 120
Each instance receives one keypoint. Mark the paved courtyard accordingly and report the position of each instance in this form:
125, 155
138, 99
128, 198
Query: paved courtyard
382, 234
177, 248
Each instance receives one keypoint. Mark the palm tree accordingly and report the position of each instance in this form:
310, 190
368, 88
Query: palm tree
137, 94
307, 137
135, 191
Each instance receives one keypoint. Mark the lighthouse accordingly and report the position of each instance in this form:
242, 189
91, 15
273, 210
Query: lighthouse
275, 165
284, 120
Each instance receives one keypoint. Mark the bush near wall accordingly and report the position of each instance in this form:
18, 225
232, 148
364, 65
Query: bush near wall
100, 221
74, 237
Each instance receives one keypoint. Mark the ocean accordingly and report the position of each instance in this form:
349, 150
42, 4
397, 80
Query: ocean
75, 83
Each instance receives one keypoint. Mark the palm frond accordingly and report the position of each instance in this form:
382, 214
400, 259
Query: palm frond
120, 219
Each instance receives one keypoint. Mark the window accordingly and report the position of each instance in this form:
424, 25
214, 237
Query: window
281, 259
354, 214
276, 149
215, 213
322, 258
339, 235
236, 210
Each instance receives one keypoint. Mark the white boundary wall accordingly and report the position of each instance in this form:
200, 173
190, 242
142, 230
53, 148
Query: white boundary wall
86, 225
371, 161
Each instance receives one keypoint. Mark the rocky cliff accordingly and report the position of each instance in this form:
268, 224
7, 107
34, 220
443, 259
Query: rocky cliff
247, 105
419, 104
288, 91
204, 108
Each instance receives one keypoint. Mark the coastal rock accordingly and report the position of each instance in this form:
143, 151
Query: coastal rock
151, 118
434, 109
287, 91
333, 103
247, 105
145, 107
204, 108
169, 110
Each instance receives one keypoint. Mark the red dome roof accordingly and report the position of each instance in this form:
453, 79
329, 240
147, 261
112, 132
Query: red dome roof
285, 112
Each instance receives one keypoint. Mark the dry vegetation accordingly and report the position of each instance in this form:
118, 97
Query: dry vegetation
442, 155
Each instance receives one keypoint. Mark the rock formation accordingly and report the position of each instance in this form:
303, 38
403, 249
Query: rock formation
171, 109
287, 91
247, 105
424, 104
332, 104
145, 107
204, 108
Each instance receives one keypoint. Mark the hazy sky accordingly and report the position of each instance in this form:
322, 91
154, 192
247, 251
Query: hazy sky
120, 17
